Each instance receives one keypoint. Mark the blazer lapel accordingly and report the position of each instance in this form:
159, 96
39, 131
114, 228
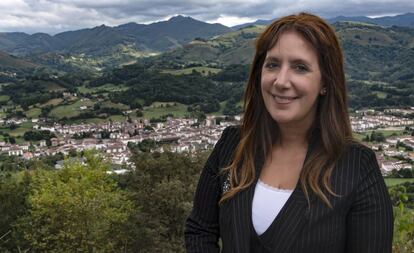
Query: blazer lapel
241, 223
240, 212
288, 223
286, 226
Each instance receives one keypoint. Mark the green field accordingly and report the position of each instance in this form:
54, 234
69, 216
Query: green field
71, 110
107, 88
90, 121
4, 98
386, 133
358, 136
33, 113
155, 110
20, 129
51, 86
55, 101
395, 181
186, 71
380, 94
110, 104
118, 118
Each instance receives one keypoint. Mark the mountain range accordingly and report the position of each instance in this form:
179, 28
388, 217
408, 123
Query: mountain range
406, 20
366, 47
104, 40
13, 62
152, 38
180, 40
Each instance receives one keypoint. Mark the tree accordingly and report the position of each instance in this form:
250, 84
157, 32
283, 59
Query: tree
12, 126
13, 193
231, 108
45, 111
164, 185
402, 196
147, 145
76, 209
12, 140
105, 134
139, 113
377, 137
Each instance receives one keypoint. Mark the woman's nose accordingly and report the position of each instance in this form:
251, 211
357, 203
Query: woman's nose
282, 78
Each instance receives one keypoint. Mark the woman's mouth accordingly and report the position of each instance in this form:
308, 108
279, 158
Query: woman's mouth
284, 99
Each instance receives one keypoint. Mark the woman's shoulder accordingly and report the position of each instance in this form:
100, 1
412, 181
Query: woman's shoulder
230, 135
360, 157
226, 145
232, 130
355, 146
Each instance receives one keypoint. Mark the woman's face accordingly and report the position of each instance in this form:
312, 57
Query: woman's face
291, 81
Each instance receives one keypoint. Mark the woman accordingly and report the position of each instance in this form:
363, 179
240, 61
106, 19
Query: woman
290, 178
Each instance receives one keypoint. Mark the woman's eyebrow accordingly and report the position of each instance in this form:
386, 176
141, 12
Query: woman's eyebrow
300, 61
271, 58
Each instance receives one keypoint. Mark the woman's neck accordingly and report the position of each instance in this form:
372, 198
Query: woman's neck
292, 137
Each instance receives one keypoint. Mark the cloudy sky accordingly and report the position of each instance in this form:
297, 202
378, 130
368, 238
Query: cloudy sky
53, 16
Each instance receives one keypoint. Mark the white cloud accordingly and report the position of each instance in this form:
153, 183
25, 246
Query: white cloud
231, 20
54, 16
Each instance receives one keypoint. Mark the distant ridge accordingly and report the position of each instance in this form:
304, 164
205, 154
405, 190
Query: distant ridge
406, 19
11, 62
257, 22
103, 40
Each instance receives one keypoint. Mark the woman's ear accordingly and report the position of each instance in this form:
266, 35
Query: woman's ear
323, 91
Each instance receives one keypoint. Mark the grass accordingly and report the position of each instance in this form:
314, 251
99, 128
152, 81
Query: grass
107, 87
186, 71
358, 136
118, 118
4, 98
20, 141
20, 129
380, 94
54, 102
110, 104
92, 121
155, 110
71, 110
386, 133
52, 86
395, 181
33, 113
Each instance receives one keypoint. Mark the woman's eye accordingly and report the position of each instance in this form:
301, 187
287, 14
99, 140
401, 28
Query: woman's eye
271, 65
301, 68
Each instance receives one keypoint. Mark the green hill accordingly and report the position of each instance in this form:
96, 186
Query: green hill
235, 47
11, 62
104, 40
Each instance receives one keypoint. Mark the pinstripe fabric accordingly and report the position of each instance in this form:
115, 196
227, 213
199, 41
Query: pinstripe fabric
361, 220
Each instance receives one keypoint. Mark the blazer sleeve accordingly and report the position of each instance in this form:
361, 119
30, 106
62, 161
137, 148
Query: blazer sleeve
202, 226
370, 219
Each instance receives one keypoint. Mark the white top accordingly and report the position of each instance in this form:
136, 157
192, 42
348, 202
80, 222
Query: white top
267, 203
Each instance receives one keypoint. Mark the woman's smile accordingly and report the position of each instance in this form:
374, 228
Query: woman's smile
284, 99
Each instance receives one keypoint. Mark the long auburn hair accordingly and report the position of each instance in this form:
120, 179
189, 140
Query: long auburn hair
331, 127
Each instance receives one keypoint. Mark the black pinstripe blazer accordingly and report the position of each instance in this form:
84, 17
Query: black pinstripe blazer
361, 219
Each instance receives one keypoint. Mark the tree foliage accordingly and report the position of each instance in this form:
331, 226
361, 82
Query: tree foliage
76, 209
403, 200
163, 184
